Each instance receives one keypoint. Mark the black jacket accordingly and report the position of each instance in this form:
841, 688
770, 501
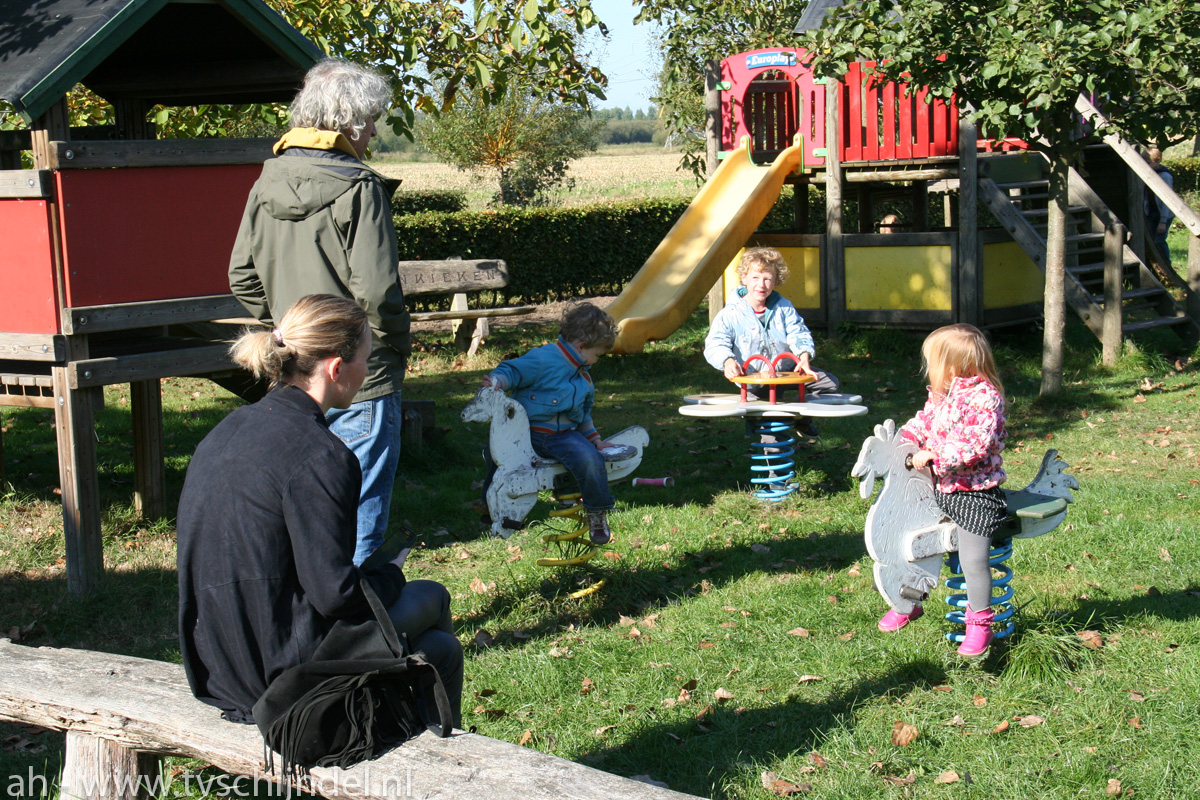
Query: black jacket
267, 524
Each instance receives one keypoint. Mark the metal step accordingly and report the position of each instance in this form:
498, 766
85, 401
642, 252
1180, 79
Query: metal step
1157, 322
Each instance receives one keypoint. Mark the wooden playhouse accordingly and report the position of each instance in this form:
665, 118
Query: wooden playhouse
115, 240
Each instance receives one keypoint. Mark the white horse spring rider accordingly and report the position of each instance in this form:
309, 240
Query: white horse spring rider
520, 472
907, 534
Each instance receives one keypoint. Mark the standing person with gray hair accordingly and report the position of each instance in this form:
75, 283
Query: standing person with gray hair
319, 220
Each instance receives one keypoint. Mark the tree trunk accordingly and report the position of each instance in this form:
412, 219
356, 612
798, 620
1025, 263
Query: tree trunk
1053, 341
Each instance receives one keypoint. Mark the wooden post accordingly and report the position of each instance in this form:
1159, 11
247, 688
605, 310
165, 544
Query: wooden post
800, 208
833, 283
1193, 279
970, 262
1114, 248
75, 424
99, 769
149, 473
51, 126
1135, 197
712, 161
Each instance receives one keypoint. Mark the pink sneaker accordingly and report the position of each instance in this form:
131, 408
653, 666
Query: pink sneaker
893, 620
979, 633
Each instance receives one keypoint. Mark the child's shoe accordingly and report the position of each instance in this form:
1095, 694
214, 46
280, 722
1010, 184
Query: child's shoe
893, 620
979, 633
598, 531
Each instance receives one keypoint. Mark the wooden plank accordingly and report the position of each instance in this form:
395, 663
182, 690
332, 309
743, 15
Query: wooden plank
906, 239
1193, 279
95, 372
32, 346
448, 277
147, 706
149, 314
26, 400
92, 762
471, 313
902, 175
149, 470
23, 183
158, 153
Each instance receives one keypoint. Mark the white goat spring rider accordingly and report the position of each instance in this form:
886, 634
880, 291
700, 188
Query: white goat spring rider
520, 472
907, 534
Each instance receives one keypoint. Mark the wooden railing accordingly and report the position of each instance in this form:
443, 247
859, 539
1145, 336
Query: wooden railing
885, 121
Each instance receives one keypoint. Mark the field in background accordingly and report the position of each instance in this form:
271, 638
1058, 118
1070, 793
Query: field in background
620, 172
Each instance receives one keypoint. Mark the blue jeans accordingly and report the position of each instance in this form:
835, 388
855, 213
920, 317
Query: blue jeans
371, 429
422, 614
575, 452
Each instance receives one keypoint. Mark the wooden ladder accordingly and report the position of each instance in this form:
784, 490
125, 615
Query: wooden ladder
1145, 303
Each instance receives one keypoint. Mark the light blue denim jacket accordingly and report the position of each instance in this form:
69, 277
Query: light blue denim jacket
737, 333
552, 383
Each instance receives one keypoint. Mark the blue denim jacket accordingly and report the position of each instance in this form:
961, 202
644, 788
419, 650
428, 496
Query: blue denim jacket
553, 385
736, 332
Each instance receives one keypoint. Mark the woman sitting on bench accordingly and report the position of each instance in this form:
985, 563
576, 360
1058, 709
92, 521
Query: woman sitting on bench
267, 523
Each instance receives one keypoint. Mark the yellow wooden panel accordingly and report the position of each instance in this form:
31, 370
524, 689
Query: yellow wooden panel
803, 286
1010, 277
898, 278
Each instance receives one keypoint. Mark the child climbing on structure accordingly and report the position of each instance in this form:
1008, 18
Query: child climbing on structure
961, 433
553, 385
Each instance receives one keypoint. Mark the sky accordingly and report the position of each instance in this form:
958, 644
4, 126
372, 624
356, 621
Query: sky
627, 58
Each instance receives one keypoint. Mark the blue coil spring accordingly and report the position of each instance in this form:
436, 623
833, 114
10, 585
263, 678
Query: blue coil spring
771, 473
997, 559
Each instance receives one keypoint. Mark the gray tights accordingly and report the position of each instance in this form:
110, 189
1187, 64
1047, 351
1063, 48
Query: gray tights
973, 551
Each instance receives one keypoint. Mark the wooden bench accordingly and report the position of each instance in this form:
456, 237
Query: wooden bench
457, 278
120, 713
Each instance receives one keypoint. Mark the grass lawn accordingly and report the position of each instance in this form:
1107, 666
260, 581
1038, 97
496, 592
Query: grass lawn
734, 643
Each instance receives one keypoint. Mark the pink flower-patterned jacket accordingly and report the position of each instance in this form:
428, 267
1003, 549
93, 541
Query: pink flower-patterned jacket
965, 432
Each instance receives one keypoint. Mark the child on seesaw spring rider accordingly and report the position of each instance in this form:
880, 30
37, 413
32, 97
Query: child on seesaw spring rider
763, 322
961, 434
552, 383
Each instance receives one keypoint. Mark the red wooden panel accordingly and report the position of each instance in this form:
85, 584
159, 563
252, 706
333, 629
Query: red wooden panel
921, 131
889, 121
150, 233
852, 149
941, 136
904, 137
870, 101
27, 297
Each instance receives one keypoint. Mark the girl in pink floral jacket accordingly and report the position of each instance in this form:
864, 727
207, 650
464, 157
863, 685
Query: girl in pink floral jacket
961, 434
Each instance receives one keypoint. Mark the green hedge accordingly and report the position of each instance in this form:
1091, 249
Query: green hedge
417, 202
557, 253
1186, 172
552, 253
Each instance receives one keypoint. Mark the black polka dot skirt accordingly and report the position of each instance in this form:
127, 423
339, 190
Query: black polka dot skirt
981, 512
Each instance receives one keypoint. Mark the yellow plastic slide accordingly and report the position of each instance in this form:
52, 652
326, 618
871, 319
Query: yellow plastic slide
698, 248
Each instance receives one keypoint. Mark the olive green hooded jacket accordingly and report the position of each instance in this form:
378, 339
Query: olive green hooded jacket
319, 221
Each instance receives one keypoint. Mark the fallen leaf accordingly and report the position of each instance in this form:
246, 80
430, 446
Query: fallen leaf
817, 760
1030, 720
800, 632
955, 722
1001, 728
560, 652
483, 638
625, 621
979, 701
691, 685
485, 693
904, 734
845, 637
759, 548
1113, 788
1092, 640
478, 586
1136, 722
526, 738
1137, 697
634, 632
809, 678
722, 695
605, 729
907, 780
587, 686
782, 788
949, 776
684, 696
